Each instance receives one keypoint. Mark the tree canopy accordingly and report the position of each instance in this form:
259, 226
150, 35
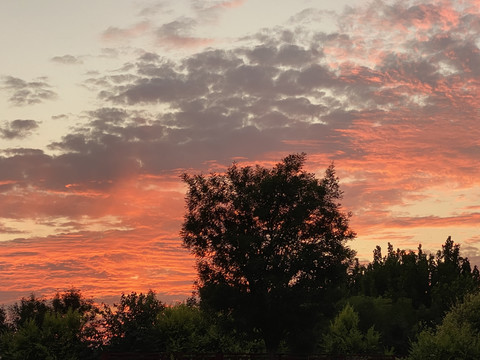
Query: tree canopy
403, 289
270, 243
457, 337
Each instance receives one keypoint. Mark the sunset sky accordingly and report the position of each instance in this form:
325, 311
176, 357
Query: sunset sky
103, 104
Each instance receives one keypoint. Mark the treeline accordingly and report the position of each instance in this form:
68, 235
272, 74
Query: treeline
69, 326
400, 303
403, 293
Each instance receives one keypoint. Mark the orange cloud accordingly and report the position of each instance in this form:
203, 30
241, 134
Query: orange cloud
144, 253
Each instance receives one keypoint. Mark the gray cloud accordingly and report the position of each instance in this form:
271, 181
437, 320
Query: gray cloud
67, 60
178, 33
282, 95
152, 10
287, 54
18, 129
211, 11
27, 93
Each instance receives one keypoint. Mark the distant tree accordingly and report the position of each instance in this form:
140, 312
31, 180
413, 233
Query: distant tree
399, 274
131, 325
72, 299
270, 244
451, 279
59, 337
435, 282
41, 330
409, 288
32, 308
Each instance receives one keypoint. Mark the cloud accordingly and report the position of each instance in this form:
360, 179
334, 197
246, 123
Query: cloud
67, 60
177, 33
116, 266
229, 4
391, 97
211, 11
116, 34
18, 129
9, 230
24, 93
154, 9
283, 95
104, 255
174, 30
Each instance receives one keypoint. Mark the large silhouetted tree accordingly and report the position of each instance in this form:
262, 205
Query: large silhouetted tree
270, 244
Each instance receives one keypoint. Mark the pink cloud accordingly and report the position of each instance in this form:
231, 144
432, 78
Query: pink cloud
230, 4
119, 34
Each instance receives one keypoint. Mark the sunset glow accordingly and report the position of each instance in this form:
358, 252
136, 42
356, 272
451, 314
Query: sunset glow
104, 106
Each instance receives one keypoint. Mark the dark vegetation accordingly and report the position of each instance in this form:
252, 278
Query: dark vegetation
275, 275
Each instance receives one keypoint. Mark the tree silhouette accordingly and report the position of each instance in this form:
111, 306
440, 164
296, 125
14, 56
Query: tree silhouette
32, 308
413, 287
60, 329
131, 325
270, 244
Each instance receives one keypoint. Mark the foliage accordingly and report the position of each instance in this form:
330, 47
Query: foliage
3, 320
270, 244
410, 288
57, 338
186, 328
396, 321
29, 309
40, 331
183, 329
457, 337
434, 283
72, 299
452, 278
345, 336
132, 324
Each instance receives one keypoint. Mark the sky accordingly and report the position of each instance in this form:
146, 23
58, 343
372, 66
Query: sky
104, 104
